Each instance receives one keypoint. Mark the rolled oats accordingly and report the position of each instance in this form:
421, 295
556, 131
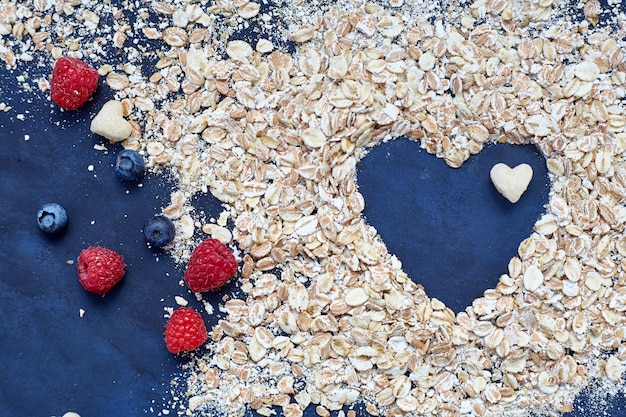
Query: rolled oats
614, 368
276, 137
533, 278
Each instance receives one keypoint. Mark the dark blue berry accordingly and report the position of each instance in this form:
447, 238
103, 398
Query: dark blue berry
130, 165
159, 231
51, 218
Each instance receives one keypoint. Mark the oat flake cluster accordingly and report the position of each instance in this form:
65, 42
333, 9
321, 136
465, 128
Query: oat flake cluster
329, 318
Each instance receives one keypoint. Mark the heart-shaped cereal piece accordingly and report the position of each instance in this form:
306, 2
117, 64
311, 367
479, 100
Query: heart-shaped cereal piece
511, 182
110, 122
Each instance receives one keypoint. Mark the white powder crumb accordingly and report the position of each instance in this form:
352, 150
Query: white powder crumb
181, 301
208, 308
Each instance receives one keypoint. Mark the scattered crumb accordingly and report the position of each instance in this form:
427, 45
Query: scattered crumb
181, 301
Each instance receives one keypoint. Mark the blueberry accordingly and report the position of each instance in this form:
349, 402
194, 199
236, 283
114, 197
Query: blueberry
159, 231
51, 218
130, 165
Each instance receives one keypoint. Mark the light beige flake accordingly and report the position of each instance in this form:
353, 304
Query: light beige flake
154, 148
356, 297
175, 36
538, 125
249, 10
180, 18
603, 162
570, 288
264, 337
407, 403
220, 233
533, 278
390, 26
303, 34
117, 81
580, 324
427, 61
376, 66
547, 383
313, 137
238, 50
572, 269
196, 64
511, 182
264, 46
555, 166
306, 225
309, 61
361, 358
256, 350
187, 226
337, 67
459, 335
514, 364
593, 281
546, 225
91, 19
614, 368
587, 71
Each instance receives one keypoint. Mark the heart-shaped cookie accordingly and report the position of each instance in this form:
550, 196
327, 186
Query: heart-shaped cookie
511, 182
110, 122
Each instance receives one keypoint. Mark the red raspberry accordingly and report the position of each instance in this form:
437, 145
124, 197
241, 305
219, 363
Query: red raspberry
72, 82
99, 269
211, 265
185, 330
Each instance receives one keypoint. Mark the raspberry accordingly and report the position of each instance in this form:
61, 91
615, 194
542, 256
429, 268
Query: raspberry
211, 265
185, 331
99, 269
72, 82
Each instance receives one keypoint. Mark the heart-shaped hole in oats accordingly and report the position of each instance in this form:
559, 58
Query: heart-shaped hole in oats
511, 182
450, 228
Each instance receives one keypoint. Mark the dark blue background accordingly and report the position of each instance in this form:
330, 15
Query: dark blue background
112, 361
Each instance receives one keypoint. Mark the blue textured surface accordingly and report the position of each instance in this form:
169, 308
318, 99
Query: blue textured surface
112, 361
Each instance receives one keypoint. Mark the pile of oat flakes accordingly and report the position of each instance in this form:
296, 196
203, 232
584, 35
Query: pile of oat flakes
329, 318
